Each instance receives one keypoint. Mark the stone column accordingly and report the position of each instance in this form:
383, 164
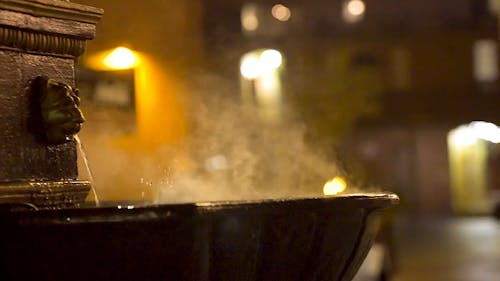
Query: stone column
38, 38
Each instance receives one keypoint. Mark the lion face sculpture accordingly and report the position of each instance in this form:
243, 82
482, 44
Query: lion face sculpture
61, 117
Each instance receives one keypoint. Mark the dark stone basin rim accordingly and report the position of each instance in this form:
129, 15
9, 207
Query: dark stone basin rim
137, 213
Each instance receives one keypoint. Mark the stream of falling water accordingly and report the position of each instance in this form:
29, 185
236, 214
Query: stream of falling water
89, 171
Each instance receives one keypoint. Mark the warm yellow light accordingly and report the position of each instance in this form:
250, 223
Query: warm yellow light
462, 137
268, 82
467, 135
249, 20
356, 7
271, 59
334, 186
160, 115
256, 64
486, 131
121, 58
281, 12
251, 67
250, 23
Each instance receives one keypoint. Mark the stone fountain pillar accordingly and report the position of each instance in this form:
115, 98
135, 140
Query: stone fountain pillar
39, 43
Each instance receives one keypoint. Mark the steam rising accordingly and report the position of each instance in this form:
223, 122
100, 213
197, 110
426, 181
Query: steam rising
234, 154
231, 153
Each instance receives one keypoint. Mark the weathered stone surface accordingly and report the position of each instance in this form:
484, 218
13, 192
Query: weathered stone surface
24, 155
38, 38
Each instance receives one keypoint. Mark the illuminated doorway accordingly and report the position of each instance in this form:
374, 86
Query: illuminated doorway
473, 157
261, 82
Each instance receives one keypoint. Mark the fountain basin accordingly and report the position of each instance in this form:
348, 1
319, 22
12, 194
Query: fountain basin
290, 239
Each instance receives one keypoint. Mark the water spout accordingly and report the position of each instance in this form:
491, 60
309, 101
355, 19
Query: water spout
86, 163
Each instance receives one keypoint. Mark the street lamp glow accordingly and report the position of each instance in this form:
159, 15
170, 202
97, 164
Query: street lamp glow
121, 58
271, 59
353, 11
250, 22
249, 19
485, 131
334, 186
462, 137
356, 7
468, 135
281, 12
251, 67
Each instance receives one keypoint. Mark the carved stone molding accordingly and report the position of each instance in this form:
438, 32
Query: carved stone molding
36, 42
47, 26
54, 9
45, 195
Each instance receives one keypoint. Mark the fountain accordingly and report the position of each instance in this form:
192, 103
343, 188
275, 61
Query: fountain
48, 235
39, 41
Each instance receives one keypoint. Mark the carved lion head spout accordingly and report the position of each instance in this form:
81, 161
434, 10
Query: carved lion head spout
61, 117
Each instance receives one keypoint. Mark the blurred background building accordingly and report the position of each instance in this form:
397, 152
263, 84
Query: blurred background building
395, 76
390, 86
